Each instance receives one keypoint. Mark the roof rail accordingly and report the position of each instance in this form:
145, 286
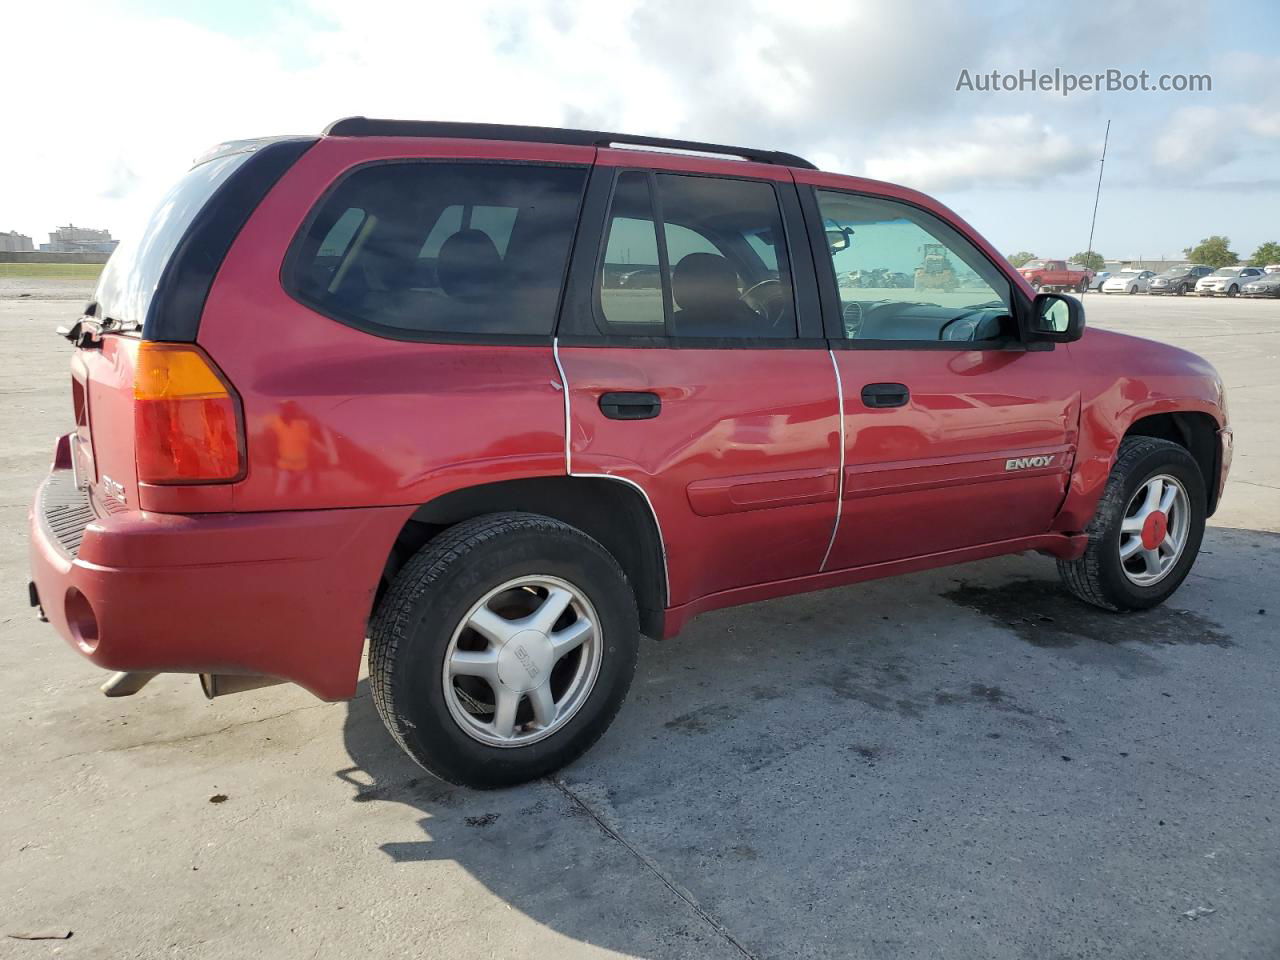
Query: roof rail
367, 127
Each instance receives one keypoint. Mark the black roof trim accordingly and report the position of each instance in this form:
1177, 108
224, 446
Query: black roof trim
367, 127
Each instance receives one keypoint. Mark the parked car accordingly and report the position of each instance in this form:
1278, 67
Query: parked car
1267, 285
1128, 281
1179, 281
1227, 280
1099, 279
1272, 268
372, 384
1056, 275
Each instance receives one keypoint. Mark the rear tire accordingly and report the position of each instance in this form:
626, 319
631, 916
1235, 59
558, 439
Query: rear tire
1100, 576
440, 684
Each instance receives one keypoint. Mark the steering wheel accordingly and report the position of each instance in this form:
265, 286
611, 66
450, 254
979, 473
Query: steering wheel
767, 298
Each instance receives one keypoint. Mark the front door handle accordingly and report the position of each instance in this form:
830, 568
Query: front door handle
885, 395
630, 406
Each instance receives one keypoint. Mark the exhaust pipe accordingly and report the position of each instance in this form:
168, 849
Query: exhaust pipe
225, 684
125, 683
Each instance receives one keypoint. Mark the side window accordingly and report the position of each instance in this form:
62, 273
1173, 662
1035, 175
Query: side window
631, 284
419, 248
714, 264
904, 275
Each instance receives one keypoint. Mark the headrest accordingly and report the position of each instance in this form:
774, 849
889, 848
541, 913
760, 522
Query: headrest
468, 264
704, 281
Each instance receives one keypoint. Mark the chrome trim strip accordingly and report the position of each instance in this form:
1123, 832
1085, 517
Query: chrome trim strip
564, 388
835, 527
568, 467
662, 543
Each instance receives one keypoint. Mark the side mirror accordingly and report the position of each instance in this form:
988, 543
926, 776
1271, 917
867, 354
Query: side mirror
1056, 318
838, 239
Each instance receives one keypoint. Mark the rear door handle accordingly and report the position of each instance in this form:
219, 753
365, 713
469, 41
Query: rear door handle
885, 395
630, 406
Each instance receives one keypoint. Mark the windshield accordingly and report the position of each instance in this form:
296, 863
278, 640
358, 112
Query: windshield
132, 274
1226, 272
1127, 273
1033, 265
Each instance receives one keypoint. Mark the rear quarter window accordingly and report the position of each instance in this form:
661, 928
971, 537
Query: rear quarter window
424, 250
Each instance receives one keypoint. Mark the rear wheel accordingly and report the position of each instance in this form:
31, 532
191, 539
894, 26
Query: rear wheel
1146, 532
503, 649
1082, 286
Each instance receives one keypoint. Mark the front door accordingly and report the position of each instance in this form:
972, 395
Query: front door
955, 434
688, 373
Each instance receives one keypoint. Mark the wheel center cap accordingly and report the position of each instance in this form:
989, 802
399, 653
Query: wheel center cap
1154, 529
525, 661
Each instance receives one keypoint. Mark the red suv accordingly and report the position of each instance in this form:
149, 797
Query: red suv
503, 399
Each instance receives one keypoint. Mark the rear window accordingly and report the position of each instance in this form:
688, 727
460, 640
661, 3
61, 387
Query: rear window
132, 274
418, 249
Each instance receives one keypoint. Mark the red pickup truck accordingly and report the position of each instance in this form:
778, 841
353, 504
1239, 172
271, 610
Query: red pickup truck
392, 383
1055, 275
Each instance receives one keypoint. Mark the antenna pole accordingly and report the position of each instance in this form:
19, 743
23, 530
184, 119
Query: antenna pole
1098, 193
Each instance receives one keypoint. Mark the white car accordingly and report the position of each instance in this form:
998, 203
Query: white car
1128, 281
1227, 280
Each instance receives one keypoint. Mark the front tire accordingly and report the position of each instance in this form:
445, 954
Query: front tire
1233, 291
503, 649
1146, 532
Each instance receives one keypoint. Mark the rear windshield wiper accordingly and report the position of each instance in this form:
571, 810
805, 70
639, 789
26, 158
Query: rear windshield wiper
88, 330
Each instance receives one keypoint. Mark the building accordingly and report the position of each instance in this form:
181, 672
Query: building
15, 242
73, 239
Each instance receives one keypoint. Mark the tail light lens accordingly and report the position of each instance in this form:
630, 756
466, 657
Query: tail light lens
186, 418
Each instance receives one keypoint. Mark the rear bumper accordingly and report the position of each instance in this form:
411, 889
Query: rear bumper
285, 594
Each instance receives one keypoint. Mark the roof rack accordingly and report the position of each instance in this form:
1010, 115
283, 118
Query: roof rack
367, 127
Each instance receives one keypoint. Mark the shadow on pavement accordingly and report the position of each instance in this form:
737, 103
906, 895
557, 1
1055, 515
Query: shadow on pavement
966, 762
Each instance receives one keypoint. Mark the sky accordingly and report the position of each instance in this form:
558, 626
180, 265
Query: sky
116, 97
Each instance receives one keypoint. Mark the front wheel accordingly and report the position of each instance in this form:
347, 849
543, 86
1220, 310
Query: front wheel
1232, 291
1146, 532
503, 649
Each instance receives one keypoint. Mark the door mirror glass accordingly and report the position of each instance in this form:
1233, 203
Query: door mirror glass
1056, 318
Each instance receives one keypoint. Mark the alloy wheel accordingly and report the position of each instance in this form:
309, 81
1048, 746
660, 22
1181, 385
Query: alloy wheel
522, 661
1154, 531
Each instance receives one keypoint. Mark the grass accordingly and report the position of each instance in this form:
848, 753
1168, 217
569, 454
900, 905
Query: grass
38, 271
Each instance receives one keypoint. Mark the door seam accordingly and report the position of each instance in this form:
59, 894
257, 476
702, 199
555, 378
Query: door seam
835, 526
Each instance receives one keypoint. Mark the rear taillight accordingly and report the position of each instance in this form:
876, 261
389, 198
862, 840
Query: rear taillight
186, 418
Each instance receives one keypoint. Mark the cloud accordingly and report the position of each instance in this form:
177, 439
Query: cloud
1011, 150
860, 85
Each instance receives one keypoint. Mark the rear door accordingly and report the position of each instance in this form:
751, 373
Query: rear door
955, 435
691, 344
